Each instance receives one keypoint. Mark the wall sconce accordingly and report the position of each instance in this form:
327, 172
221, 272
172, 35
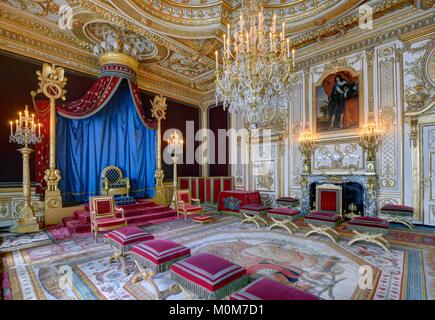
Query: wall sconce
370, 140
306, 145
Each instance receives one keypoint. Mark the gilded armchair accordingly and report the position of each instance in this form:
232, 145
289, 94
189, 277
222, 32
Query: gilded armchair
104, 215
113, 183
187, 205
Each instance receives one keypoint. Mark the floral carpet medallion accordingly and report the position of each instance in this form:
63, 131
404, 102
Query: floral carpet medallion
79, 268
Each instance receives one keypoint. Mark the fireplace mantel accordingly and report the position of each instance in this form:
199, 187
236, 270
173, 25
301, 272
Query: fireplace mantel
366, 180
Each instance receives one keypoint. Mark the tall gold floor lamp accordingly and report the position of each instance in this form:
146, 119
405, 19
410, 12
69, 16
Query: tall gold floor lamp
26, 132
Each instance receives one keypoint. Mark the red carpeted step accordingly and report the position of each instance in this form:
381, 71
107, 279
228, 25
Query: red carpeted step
142, 211
83, 216
151, 216
139, 204
76, 226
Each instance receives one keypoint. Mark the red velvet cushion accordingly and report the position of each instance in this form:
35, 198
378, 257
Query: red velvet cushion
284, 211
328, 200
160, 251
201, 218
184, 197
109, 222
396, 207
254, 207
287, 199
369, 222
103, 207
266, 289
192, 208
129, 235
208, 271
324, 216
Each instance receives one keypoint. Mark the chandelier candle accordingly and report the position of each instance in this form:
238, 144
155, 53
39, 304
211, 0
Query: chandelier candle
255, 77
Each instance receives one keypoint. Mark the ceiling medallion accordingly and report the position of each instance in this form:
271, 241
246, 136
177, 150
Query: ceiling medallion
257, 64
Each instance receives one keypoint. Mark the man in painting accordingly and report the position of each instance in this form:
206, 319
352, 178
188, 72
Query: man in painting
341, 91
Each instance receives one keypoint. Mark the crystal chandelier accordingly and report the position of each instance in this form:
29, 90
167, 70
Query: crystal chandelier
257, 62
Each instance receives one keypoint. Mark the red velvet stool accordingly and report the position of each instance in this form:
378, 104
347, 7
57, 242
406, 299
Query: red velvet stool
267, 289
208, 276
323, 223
370, 229
202, 219
160, 254
123, 239
283, 217
398, 213
287, 202
254, 213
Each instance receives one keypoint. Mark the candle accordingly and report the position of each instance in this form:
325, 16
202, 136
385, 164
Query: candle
39, 129
274, 23
225, 44
228, 30
10, 122
217, 63
228, 47
16, 122
282, 32
20, 116
293, 56
288, 48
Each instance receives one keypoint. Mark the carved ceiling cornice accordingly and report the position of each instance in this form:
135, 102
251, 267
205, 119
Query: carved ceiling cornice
183, 67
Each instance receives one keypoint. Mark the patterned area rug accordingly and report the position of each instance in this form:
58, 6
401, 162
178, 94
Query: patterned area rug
18, 241
79, 268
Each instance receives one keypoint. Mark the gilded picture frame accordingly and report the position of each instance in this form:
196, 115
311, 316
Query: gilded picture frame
322, 110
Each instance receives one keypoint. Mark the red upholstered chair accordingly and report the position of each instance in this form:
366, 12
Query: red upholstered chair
186, 205
103, 215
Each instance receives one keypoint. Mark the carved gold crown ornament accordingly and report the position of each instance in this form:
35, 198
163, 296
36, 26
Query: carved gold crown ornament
257, 63
306, 146
26, 132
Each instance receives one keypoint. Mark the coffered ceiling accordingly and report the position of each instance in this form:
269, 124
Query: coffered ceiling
176, 39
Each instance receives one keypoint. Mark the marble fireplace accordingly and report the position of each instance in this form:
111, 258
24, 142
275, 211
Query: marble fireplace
359, 189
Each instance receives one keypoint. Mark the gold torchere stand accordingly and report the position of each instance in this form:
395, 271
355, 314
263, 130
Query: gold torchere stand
306, 145
25, 133
175, 144
159, 113
51, 83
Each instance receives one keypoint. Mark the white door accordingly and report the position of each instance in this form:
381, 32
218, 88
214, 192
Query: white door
429, 175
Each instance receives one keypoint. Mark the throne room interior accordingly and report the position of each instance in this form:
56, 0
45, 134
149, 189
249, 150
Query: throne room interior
217, 150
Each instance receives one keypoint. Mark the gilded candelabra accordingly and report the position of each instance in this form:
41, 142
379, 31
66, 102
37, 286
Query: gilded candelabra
51, 83
26, 132
306, 146
370, 140
175, 144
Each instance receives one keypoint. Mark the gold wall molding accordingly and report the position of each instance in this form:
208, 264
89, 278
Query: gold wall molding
49, 32
389, 150
372, 40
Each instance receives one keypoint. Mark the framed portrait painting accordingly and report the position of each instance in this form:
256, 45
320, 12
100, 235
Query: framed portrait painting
338, 104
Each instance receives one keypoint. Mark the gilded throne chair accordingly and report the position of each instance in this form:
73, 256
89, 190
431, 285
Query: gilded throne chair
113, 183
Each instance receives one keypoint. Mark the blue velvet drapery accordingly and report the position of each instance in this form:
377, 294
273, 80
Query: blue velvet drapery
115, 135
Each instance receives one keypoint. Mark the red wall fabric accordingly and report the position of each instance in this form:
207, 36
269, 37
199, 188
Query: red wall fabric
15, 94
218, 119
